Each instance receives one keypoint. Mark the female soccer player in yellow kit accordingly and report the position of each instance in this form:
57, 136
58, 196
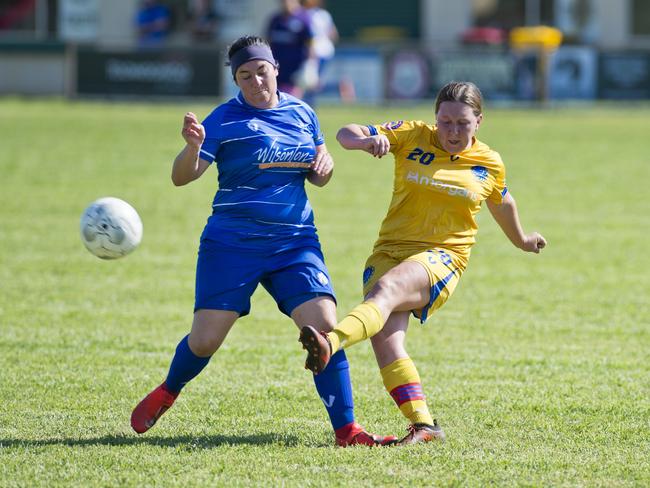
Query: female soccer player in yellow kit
442, 176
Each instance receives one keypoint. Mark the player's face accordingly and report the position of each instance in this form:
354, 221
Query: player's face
257, 80
457, 125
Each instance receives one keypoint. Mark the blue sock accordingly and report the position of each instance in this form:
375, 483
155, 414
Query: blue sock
335, 389
185, 366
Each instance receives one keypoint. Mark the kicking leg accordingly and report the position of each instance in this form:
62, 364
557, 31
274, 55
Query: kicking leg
404, 287
333, 382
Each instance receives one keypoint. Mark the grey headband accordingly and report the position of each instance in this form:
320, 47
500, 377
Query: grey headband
248, 53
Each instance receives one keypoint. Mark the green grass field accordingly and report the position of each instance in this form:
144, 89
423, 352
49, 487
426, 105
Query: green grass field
538, 368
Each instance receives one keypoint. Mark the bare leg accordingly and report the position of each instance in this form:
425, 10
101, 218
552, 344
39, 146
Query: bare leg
209, 329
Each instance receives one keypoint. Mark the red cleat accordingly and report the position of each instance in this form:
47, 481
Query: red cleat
357, 436
150, 409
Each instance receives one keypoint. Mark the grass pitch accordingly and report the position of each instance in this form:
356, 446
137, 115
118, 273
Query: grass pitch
537, 368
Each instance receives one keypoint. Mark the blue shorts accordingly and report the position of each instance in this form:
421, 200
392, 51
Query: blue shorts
226, 279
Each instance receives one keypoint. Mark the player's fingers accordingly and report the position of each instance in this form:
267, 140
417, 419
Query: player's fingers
324, 164
318, 158
327, 166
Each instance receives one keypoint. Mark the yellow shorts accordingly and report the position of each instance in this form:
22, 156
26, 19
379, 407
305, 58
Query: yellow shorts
438, 263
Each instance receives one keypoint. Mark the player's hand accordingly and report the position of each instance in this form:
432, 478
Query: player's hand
323, 163
534, 242
193, 132
377, 145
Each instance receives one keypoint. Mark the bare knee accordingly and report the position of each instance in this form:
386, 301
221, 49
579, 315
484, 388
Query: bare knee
203, 344
319, 312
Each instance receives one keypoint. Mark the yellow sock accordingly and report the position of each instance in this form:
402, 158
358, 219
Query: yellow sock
362, 322
402, 381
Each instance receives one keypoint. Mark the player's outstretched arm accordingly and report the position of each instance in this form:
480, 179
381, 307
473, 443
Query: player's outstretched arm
188, 166
322, 167
507, 217
355, 136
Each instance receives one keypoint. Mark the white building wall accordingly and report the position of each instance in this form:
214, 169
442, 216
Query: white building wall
443, 21
613, 23
117, 23
32, 74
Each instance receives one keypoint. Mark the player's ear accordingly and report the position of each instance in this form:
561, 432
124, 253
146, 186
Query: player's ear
479, 119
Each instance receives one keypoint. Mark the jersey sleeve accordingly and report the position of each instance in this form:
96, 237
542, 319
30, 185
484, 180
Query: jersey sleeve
212, 140
317, 133
398, 132
499, 189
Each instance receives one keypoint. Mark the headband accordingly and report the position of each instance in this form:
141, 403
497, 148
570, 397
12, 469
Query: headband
248, 53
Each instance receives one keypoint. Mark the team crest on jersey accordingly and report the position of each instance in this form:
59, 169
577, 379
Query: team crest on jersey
480, 172
322, 279
393, 124
367, 273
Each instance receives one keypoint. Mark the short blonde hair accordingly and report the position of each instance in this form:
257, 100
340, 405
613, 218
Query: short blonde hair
461, 91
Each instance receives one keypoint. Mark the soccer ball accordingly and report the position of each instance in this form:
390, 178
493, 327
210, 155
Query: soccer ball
110, 228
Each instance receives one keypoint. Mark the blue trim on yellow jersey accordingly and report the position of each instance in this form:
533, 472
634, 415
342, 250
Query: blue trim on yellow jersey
373, 131
436, 290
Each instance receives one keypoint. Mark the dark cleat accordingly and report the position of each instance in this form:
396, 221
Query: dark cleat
419, 433
318, 347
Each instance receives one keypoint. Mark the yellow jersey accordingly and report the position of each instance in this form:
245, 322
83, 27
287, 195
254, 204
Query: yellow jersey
436, 195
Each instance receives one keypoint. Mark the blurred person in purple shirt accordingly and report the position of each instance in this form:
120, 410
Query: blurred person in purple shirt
290, 35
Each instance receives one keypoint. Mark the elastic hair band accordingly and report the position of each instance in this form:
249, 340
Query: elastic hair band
248, 53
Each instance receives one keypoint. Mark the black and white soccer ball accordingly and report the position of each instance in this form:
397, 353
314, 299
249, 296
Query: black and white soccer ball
110, 228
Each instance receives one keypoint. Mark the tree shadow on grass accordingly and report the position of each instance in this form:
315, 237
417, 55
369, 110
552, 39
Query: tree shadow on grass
188, 441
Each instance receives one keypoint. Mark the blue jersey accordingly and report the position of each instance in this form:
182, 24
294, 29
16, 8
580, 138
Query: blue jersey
263, 157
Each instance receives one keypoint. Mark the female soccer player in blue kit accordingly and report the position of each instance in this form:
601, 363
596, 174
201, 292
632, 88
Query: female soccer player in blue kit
443, 174
265, 144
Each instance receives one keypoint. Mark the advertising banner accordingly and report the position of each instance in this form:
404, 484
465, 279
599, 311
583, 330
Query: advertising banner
493, 72
573, 73
149, 72
78, 20
407, 75
624, 75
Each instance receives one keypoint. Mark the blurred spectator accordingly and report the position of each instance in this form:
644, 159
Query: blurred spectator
325, 36
325, 32
290, 35
203, 21
153, 22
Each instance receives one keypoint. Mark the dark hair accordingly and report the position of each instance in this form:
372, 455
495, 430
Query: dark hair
461, 91
242, 42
